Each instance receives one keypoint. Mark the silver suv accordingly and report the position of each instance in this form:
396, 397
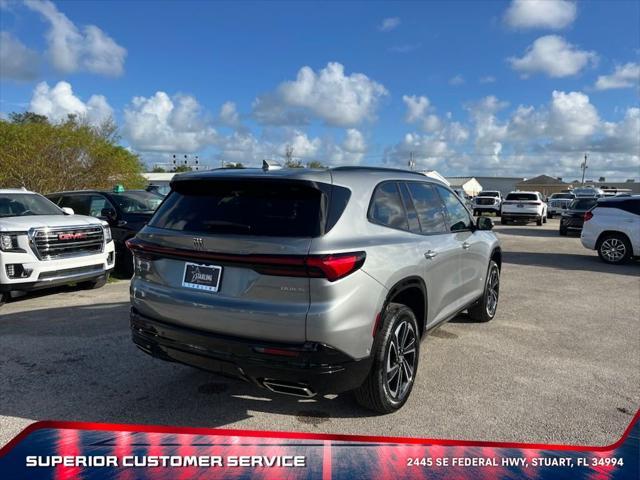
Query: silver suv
309, 282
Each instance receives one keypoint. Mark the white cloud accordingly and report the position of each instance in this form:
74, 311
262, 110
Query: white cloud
229, 115
71, 50
330, 95
167, 124
572, 118
553, 56
624, 76
17, 61
487, 79
58, 102
388, 24
456, 80
416, 107
552, 14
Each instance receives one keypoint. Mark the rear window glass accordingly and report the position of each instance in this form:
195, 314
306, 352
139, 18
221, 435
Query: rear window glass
245, 207
522, 196
489, 194
557, 196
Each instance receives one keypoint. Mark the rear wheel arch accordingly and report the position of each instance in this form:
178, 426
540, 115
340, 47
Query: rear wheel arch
496, 256
608, 233
412, 292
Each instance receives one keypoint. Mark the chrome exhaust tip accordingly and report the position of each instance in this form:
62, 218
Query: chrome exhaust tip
293, 389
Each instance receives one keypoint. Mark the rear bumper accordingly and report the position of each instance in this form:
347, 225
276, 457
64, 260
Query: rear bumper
521, 216
572, 223
312, 366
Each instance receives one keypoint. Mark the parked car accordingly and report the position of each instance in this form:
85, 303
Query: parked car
558, 203
612, 228
487, 201
589, 192
161, 190
42, 245
126, 212
524, 207
572, 219
308, 282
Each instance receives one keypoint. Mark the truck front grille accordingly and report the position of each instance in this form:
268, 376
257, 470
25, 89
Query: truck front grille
53, 243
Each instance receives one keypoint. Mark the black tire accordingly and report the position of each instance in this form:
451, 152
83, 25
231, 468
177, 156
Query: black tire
475, 213
544, 219
503, 221
614, 248
485, 309
563, 231
3, 298
550, 215
377, 393
95, 283
539, 221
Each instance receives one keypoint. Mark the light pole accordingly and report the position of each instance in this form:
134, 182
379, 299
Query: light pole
584, 167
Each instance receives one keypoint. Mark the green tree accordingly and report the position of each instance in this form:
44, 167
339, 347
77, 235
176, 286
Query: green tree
234, 165
315, 164
158, 170
291, 163
182, 168
70, 155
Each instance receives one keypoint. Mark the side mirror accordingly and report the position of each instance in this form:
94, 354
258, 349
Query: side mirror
68, 211
108, 214
485, 223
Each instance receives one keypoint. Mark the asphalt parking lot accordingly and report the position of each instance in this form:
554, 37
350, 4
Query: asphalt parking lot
560, 363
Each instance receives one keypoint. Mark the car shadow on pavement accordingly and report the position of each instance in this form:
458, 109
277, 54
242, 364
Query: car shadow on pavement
567, 261
79, 364
523, 231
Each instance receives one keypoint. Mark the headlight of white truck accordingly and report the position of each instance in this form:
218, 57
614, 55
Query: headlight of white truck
107, 234
9, 242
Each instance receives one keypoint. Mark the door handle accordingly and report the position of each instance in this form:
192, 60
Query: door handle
466, 245
429, 254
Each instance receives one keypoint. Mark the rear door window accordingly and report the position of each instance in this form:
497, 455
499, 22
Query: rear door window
243, 207
387, 208
459, 218
429, 207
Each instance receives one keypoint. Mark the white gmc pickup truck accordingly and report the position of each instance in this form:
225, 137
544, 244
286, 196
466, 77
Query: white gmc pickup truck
42, 245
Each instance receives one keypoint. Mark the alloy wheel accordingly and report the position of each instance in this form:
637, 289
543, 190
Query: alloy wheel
401, 360
493, 290
613, 250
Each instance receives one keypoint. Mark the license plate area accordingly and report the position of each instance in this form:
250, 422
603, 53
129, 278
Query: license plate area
520, 205
202, 277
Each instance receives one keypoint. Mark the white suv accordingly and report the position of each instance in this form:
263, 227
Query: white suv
42, 245
612, 228
524, 207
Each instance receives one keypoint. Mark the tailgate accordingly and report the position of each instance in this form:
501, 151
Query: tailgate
226, 258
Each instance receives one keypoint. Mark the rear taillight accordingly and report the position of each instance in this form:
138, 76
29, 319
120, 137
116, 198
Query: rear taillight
330, 266
588, 216
336, 266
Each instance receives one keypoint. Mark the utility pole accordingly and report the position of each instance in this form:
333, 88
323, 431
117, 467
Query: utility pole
412, 162
584, 167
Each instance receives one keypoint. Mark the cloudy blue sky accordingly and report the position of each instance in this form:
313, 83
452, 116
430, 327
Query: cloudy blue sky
518, 87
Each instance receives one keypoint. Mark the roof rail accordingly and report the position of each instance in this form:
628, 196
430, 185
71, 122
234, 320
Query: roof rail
376, 169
